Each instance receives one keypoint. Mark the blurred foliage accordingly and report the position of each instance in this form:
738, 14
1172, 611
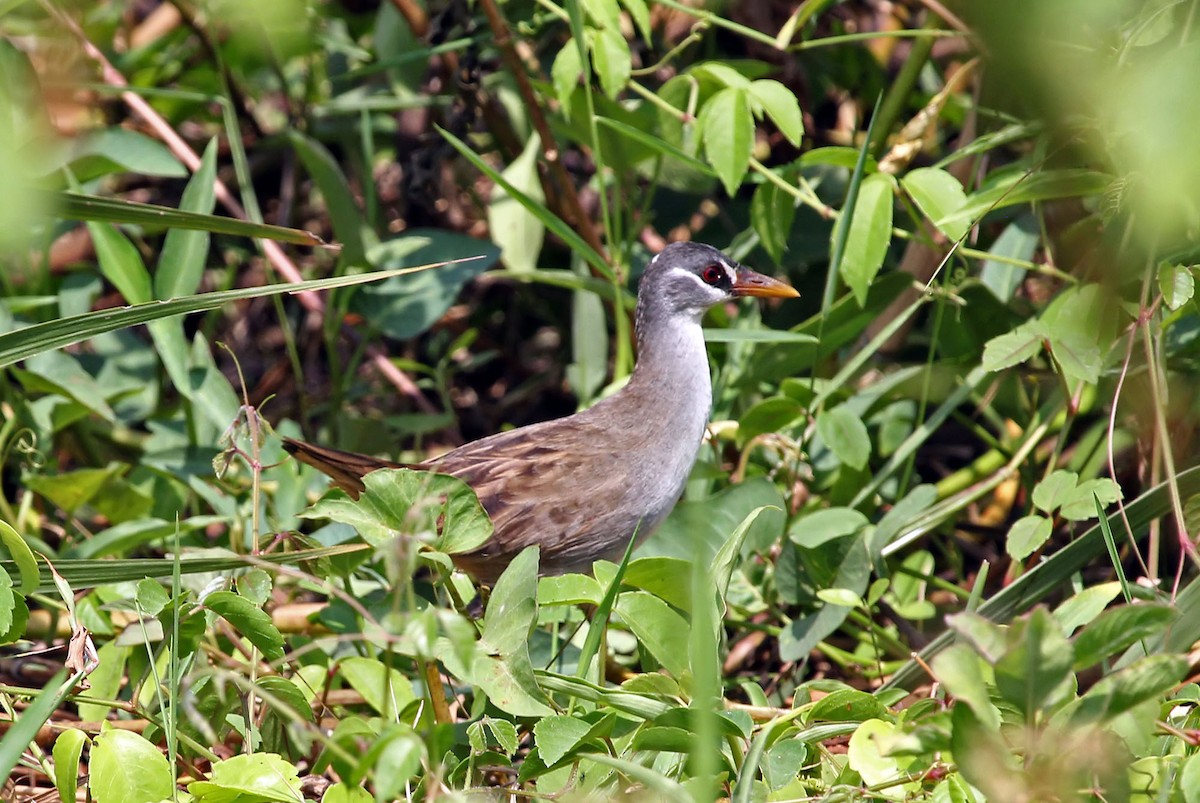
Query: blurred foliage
939, 544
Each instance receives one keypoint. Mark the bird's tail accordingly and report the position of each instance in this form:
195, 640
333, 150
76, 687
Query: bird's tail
345, 468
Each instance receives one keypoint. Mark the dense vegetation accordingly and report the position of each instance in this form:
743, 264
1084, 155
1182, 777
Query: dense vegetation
940, 544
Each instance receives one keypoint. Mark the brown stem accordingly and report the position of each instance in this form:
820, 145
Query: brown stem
568, 197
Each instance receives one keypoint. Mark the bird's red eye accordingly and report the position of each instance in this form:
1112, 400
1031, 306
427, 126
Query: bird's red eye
712, 275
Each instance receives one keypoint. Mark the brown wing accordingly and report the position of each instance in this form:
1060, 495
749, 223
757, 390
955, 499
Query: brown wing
345, 468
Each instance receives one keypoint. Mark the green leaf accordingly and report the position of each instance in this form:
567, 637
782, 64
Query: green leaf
814, 529
658, 627
772, 212
1118, 628
257, 777
1044, 186
403, 307
557, 736
252, 622
962, 673
640, 14
842, 597
436, 508
345, 793
22, 556
939, 195
383, 688
845, 433
180, 265
869, 235
348, 222
121, 263
1019, 240
610, 56
68, 749
1176, 284
1033, 672
867, 755
512, 607
504, 733
1027, 535
151, 596
124, 767
518, 232
1055, 491
115, 149
1145, 679
1081, 505
72, 490
781, 106
565, 74
769, 415
1084, 607
1077, 354
1015, 347
727, 128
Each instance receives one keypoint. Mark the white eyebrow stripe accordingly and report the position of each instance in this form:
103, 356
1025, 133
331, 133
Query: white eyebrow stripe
730, 273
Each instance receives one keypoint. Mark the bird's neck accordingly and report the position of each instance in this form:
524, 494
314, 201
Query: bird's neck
672, 365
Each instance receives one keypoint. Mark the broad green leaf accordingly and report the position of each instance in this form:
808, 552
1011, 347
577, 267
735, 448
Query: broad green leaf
814, 529
384, 688
346, 793
1176, 284
348, 223
257, 776
1033, 672
249, 620
439, 509
1019, 241
722, 74
565, 73
20, 553
1055, 491
939, 195
610, 56
842, 597
781, 106
962, 673
68, 749
1077, 354
1085, 606
1081, 505
504, 733
121, 263
518, 232
557, 736
772, 212
105, 681
116, 149
512, 607
769, 415
728, 131
72, 490
844, 432
843, 563
393, 758
658, 627
1026, 536
868, 754
1015, 347
1118, 628
1145, 679
604, 13
124, 767
869, 235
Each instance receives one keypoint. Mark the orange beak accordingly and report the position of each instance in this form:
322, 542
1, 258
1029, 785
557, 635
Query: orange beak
751, 283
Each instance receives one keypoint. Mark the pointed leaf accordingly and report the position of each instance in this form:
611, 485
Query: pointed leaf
869, 235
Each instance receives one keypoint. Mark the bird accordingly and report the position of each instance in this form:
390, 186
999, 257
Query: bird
580, 487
